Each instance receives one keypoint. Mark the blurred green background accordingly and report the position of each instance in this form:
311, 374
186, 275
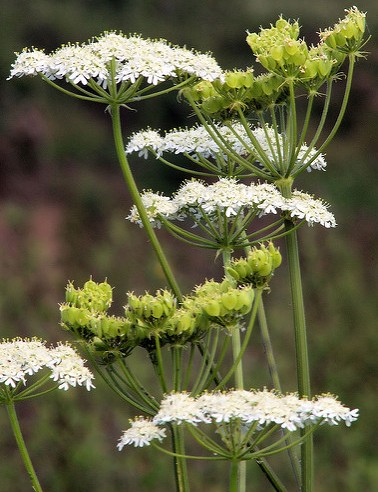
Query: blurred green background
62, 209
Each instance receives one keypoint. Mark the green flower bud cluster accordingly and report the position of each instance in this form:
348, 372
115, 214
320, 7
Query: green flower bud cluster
148, 316
93, 297
347, 36
257, 268
281, 51
278, 48
148, 310
319, 66
85, 314
239, 90
223, 303
159, 316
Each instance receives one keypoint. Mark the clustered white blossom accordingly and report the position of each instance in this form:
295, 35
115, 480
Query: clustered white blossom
197, 199
20, 358
135, 57
197, 141
263, 408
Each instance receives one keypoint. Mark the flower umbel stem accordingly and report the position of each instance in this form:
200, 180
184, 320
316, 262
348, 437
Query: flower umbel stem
22, 446
129, 179
303, 372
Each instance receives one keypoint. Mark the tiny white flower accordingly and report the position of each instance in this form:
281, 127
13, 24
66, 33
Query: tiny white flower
332, 411
141, 433
142, 142
154, 60
178, 408
68, 369
30, 63
304, 206
156, 205
229, 197
197, 141
20, 358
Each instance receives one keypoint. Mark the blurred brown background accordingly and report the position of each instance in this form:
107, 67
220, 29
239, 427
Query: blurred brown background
62, 210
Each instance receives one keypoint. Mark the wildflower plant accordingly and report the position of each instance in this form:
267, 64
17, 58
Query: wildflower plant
29, 369
243, 156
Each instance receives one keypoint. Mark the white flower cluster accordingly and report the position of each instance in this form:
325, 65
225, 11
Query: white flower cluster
248, 407
197, 141
20, 358
135, 57
197, 199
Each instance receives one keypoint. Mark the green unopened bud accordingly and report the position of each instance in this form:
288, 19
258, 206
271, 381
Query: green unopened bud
71, 294
291, 47
340, 39
74, 317
229, 299
204, 89
242, 267
251, 39
275, 255
90, 285
157, 310
232, 273
245, 300
277, 53
68, 314
212, 104
212, 308
239, 79
256, 259
265, 268
134, 304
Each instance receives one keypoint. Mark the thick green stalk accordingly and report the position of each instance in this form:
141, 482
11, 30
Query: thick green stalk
180, 464
276, 380
302, 359
239, 384
129, 179
267, 343
303, 372
22, 446
300, 336
234, 476
181, 473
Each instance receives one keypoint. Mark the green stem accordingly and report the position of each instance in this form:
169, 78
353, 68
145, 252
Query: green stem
22, 446
302, 360
291, 130
352, 60
236, 342
303, 372
180, 463
271, 476
224, 145
129, 179
267, 343
241, 466
234, 476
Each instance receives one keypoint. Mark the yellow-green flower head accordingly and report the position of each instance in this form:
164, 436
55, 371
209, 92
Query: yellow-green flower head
96, 297
278, 48
319, 65
150, 308
257, 268
223, 303
347, 35
135, 58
